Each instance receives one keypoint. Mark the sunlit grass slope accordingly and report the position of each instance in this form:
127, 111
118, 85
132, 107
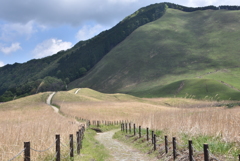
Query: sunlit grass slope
178, 46
31, 119
196, 88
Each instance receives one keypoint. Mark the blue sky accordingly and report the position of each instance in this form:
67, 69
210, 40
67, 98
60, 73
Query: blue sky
32, 29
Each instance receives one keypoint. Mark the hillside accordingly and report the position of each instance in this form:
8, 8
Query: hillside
24, 79
155, 46
177, 47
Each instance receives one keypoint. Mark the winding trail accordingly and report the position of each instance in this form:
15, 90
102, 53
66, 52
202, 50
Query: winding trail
77, 91
120, 151
49, 102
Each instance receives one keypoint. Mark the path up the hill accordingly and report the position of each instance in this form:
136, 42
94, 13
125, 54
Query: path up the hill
49, 102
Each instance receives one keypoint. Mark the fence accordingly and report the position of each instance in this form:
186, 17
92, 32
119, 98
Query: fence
26, 151
126, 127
103, 122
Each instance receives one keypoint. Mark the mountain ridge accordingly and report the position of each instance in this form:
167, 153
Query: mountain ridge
178, 46
66, 66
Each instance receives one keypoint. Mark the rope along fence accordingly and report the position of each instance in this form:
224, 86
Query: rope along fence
57, 143
207, 155
79, 137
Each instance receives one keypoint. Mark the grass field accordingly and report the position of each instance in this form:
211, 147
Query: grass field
203, 89
185, 118
173, 115
31, 119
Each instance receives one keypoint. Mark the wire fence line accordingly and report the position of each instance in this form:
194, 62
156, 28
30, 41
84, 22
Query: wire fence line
17, 155
181, 153
44, 149
212, 156
54, 157
64, 145
196, 150
58, 144
67, 155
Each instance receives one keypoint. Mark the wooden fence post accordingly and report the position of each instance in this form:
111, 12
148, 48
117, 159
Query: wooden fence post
147, 133
27, 151
166, 144
139, 131
152, 137
206, 153
174, 148
154, 145
130, 130
58, 148
80, 137
78, 145
190, 150
126, 127
123, 127
134, 129
71, 146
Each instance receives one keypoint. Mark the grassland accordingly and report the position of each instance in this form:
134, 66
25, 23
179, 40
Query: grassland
185, 118
92, 105
173, 115
31, 119
180, 46
208, 89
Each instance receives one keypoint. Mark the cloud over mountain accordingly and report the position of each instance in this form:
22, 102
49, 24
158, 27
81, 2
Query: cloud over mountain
77, 12
50, 47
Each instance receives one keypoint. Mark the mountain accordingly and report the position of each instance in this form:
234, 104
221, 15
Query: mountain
193, 54
156, 46
23, 79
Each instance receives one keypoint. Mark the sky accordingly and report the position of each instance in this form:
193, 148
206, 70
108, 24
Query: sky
33, 29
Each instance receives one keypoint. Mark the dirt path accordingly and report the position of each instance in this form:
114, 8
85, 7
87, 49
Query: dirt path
77, 91
49, 102
120, 151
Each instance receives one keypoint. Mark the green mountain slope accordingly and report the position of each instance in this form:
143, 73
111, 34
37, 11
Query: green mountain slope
22, 79
169, 47
178, 46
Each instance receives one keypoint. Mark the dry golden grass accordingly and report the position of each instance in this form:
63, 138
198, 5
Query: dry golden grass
214, 121
177, 116
30, 119
93, 105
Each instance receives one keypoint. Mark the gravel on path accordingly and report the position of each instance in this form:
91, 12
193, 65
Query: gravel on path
120, 151
49, 102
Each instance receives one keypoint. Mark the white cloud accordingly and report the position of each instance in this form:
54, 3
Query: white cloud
194, 3
7, 50
50, 47
1, 64
87, 32
122, 1
74, 12
12, 31
77, 12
